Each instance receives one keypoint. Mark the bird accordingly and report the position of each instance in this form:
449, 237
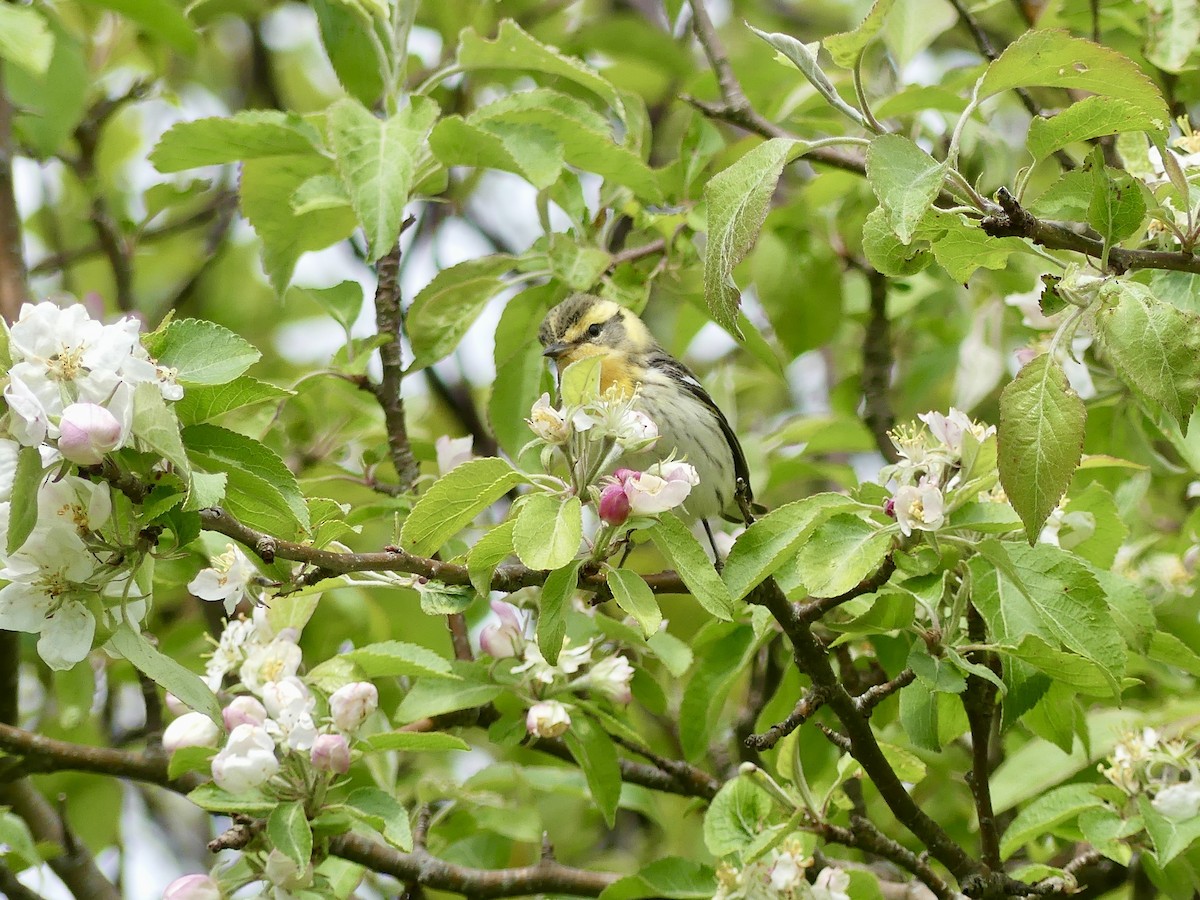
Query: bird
635, 365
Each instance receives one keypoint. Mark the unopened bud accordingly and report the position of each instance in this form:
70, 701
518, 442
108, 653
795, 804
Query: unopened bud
614, 505
87, 432
331, 753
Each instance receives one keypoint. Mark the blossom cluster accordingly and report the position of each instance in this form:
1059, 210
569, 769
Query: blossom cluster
663, 486
575, 671
781, 874
929, 467
274, 720
1166, 770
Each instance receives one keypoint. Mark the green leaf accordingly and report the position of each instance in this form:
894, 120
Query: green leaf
846, 47
448, 306
202, 352
384, 813
675, 654
161, 18
439, 599
1168, 648
548, 531
804, 57
391, 659
594, 751
285, 234
1117, 207
964, 247
25, 40
1170, 837
487, 553
552, 611
577, 266
164, 671
513, 48
261, 490
1053, 58
454, 500
438, 696
736, 816
211, 798
288, 832
579, 382
839, 554
672, 877
1085, 119
1040, 440
18, 841
1082, 676
375, 159
531, 151
201, 403
906, 180
1172, 33
23, 508
765, 546
1046, 813
700, 711
343, 301
48, 106
887, 253
344, 34
680, 547
634, 596
738, 200
157, 427
1154, 346
248, 134
919, 716
414, 742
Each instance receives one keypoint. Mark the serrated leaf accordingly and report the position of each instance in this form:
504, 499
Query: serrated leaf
736, 816
202, 352
1117, 207
672, 877
513, 48
887, 253
211, 798
1168, 648
1088, 118
288, 832
1046, 813
1054, 58
633, 595
1154, 346
161, 18
448, 306
437, 696
1170, 837
384, 813
919, 716
343, 301
248, 134
738, 200
548, 531
555, 599
164, 671
25, 40
23, 506
531, 151
487, 553
594, 751
705, 694
454, 500
846, 46
685, 554
577, 266
964, 247
804, 57
414, 742
391, 659
344, 34
201, 403
1040, 440
906, 180
840, 553
156, 427
1172, 33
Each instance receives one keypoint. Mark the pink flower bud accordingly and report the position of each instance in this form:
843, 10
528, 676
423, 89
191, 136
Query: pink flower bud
87, 432
614, 505
192, 887
623, 475
331, 753
192, 729
503, 639
352, 703
243, 711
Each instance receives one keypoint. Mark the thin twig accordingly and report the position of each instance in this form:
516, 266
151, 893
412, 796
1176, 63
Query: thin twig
979, 702
862, 835
814, 698
873, 696
12, 888
812, 610
877, 367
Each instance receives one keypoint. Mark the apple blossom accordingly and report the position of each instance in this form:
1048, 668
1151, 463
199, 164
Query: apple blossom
192, 729
352, 703
243, 710
831, 883
570, 660
505, 638
549, 718
1178, 801
267, 663
227, 580
192, 887
919, 507
87, 432
451, 452
548, 423
247, 760
611, 677
290, 707
635, 429
331, 753
650, 494
614, 504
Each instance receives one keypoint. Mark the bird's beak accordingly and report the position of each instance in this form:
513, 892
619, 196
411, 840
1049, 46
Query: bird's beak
554, 351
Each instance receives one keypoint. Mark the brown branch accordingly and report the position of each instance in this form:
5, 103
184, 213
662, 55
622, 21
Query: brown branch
863, 835
814, 698
507, 578
421, 867
460, 639
633, 254
812, 610
979, 702
12, 888
873, 696
75, 865
877, 367
690, 780
388, 322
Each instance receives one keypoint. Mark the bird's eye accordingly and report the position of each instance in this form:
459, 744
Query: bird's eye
594, 330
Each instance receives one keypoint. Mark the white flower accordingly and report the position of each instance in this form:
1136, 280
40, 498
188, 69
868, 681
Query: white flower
243, 710
505, 638
919, 507
268, 663
47, 593
451, 452
547, 422
290, 706
238, 638
949, 429
1178, 801
650, 494
611, 677
635, 429
570, 660
352, 703
87, 432
192, 729
247, 760
831, 884
227, 581
168, 385
549, 718
787, 873
29, 422
76, 503
192, 887
331, 753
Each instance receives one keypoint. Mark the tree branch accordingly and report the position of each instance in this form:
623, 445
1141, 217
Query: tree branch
873, 696
12, 888
877, 367
814, 698
812, 610
979, 702
862, 835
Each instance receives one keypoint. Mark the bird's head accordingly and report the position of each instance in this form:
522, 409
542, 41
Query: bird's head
585, 325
